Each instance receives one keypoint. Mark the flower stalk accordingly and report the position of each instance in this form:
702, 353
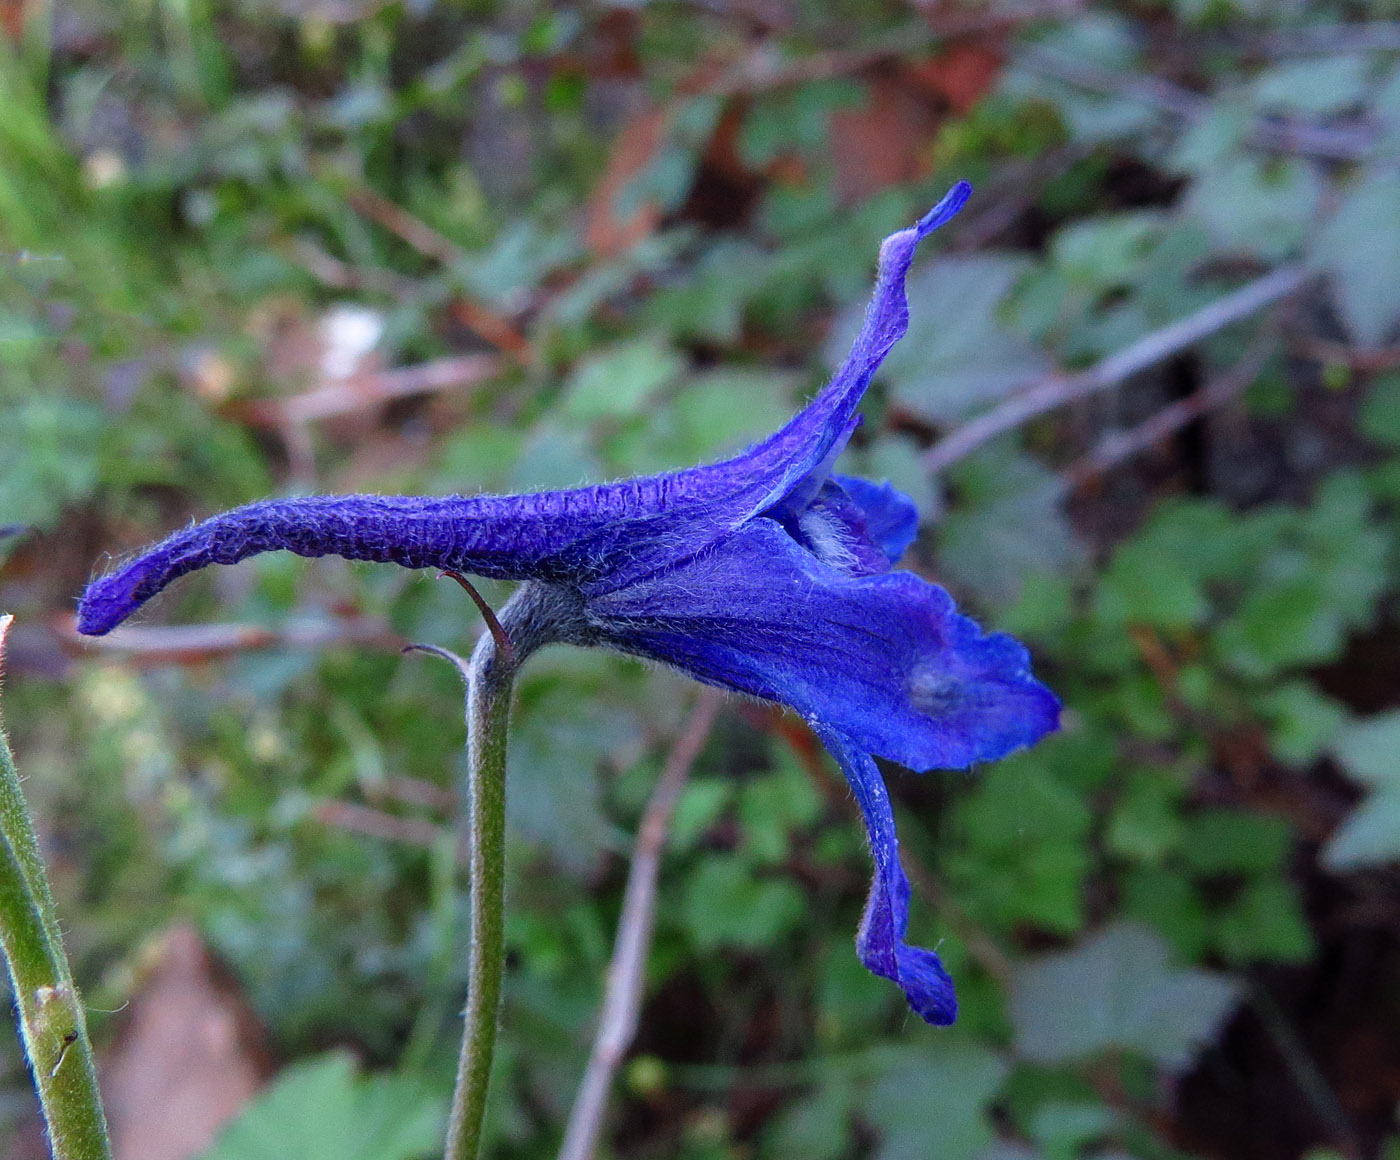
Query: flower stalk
491, 678
532, 617
51, 1017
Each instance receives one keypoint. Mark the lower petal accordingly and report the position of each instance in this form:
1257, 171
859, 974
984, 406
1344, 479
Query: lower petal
886, 659
880, 941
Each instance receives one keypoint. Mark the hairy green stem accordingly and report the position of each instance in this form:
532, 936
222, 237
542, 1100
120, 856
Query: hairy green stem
51, 1017
489, 683
538, 614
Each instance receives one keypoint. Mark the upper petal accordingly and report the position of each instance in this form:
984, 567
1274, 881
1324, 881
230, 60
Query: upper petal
885, 659
606, 536
702, 503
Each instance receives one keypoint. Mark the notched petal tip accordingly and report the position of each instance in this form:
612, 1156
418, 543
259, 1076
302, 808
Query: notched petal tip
926, 985
105, 604
945, 210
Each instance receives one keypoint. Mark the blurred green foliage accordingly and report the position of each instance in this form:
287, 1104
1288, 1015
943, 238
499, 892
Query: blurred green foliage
188, 192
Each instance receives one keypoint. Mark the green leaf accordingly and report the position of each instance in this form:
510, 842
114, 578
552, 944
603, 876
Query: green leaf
48, 458
1143, 585
1022, 854
619, 381
1116, 991
1361, 253
944, 1091
1171, 903
320, 1110
1063, 1129
958, 356
1256, 206
1290, 622
1265, 921
1314, 88
1221, 841
1302, 721
700, 805
1146, 824
1370, 834
812, 1127
1008, 524
727, 904
1379, 417
1369, 751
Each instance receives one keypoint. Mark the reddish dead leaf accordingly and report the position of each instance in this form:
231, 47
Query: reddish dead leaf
885, 141
961, 75
12, 18
608, 231
190, 1056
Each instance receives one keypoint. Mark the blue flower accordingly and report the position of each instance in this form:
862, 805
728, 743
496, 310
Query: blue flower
768, 574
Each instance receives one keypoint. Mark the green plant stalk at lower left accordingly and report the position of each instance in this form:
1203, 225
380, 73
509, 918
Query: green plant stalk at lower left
51, 1018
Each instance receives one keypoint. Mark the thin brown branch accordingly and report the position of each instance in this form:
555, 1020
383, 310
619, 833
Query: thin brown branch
413, 791
624, 986
495, 328
359, 391
1357, 358
1148, 351
372, 823
393, 217
1119, 446
338, 275
195, 643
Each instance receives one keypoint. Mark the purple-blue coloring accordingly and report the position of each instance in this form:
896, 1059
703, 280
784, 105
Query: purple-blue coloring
766, 573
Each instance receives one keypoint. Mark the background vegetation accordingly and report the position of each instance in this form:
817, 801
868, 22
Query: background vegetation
264, 246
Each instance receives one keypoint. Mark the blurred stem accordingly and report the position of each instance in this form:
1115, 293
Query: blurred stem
50, 1012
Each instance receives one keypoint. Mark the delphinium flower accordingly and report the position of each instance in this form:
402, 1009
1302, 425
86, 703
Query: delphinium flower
768, 573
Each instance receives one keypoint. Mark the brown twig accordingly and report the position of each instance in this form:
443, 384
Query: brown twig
338, 275
493, 327
358, 819
1118, 446
1358, 358
413, 791
624, 986
358, 391
1148, 351
192, 644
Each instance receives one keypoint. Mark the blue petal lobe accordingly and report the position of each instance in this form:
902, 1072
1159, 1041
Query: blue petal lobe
886, 659
891, 517
880, 939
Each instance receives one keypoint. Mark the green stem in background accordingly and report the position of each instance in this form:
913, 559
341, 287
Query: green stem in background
50, 1011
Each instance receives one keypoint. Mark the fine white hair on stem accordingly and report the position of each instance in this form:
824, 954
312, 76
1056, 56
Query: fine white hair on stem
624, 985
